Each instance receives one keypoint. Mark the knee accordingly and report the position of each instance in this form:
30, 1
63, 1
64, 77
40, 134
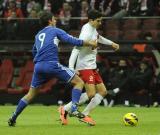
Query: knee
103, 93
30, 96
79, 84
91, 94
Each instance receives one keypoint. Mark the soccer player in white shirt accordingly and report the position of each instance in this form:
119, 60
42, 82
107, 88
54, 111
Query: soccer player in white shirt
84, 61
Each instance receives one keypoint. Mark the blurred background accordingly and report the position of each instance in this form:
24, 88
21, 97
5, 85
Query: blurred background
134, 69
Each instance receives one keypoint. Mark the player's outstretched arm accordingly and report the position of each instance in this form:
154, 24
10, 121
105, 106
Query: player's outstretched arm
106, 41
92, 43
63, 36
115, 46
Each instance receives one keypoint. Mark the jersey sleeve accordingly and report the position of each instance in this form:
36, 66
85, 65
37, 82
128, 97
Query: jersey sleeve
104, 41
63, 36
73, 57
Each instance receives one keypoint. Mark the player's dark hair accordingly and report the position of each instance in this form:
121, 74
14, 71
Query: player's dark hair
44, 18
94, 14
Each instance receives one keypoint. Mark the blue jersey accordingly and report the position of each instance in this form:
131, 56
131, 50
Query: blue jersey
45, 52
46, 43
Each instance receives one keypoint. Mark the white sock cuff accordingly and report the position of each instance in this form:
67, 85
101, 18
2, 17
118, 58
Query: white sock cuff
85, 96
99, 96
67, 107
116, 90
96, 100
126, 102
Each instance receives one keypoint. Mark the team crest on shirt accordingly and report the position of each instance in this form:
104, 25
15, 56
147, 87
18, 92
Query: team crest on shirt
56, 41
91, 78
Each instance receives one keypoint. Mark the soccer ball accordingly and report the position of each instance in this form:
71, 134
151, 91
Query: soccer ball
130, 119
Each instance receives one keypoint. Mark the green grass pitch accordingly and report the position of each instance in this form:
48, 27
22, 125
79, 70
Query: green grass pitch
42, 120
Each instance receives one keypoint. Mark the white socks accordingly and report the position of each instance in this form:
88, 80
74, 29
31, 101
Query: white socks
105, 101
111, 103
68, 106
116, 90
126, 102
95, 101
83, 99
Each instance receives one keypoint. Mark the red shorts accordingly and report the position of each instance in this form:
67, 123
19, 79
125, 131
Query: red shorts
90, 76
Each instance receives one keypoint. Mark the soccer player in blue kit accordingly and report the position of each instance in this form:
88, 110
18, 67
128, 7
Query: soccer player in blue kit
45, 53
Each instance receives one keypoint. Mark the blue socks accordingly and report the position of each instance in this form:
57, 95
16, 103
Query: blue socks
20, 107
76, 93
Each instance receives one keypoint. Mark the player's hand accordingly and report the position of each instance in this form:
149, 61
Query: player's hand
92, 43
115, 46
77, 72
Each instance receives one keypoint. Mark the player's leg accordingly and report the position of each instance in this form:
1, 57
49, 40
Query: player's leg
82, 100
68, 108
87, 77
73, 110
78, 85
95, 101
91, 94
84, 97
91, 88
22, 105
68, 75
37, 80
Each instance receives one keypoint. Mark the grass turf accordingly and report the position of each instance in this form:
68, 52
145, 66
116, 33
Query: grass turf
42, 120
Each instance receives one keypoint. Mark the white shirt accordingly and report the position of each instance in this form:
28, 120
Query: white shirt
86, 56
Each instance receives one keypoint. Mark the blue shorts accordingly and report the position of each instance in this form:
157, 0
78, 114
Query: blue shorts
44, 71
